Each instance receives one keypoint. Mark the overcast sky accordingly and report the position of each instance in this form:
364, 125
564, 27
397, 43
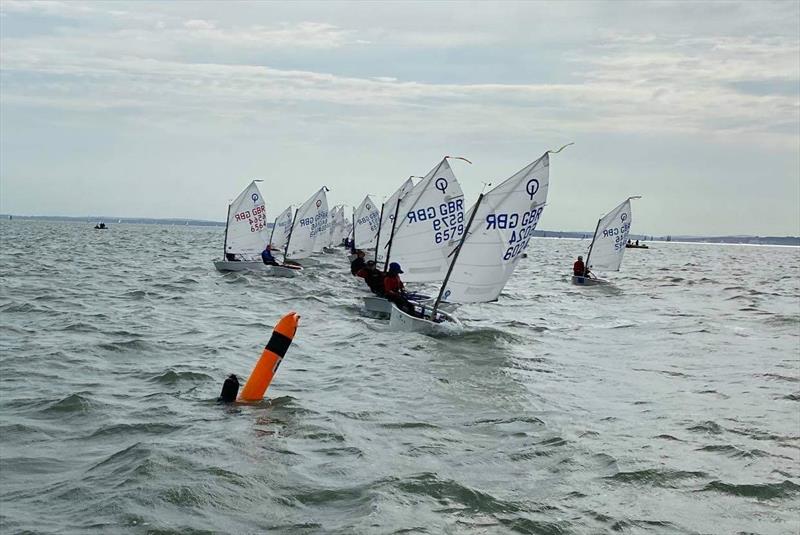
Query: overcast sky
169, 109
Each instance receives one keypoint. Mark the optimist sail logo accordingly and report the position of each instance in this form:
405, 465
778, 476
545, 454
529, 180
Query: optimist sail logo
532, 187
319, 203
623, 217
441, 184
255, 197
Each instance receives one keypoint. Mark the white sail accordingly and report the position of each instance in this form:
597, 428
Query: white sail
282, 225
246, 232
329, 240
310, 229
430, 223
500, 232
367, 219
337, 225
608, 244
388, 216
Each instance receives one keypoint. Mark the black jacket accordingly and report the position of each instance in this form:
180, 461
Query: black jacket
357, 264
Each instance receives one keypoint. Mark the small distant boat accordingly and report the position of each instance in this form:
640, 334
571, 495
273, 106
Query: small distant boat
246, 236
608, 243
101, 226
636, 245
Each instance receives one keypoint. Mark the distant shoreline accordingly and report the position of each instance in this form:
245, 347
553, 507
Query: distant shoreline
792, 241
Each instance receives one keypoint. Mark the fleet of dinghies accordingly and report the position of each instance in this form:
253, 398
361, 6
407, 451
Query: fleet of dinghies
423, 226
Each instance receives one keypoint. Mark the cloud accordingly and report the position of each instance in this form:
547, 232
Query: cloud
163, 64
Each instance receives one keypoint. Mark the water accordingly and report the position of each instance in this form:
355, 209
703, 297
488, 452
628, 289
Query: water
667, 403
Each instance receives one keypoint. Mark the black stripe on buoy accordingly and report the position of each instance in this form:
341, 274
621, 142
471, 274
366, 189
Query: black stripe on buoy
279, 344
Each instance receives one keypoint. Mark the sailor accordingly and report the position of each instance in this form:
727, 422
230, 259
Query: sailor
394, 290
357, 263
266, 256
579, 269
373, 277
230, 257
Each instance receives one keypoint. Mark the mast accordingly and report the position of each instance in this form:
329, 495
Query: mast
455, 256
378, 235
225, 242
391, 235
354, 231
589, 254
271, 234
289, 237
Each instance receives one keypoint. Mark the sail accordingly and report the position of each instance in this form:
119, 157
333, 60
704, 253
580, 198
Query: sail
608, 244
337, 225
246, 232
500, 232
282, 225
367, 219
430, 223
388, 216
310, 230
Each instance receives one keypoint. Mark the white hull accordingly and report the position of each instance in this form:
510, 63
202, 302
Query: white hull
377, 305
328, 250
305, 262
587, 281
275, 271
381, 305
400, 321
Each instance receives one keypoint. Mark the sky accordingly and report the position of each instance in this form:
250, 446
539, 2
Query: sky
169, 109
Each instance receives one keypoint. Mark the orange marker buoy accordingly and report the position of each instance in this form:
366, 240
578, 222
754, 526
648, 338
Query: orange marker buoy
271, 358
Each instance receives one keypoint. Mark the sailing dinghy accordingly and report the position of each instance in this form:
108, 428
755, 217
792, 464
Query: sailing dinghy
608, 243
280, 230
425, 221
498, 230
246, 235
308, 232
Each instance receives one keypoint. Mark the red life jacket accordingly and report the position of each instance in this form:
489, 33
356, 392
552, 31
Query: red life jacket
392, 284
578, 269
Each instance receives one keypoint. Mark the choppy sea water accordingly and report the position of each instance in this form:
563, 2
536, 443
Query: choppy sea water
666, 403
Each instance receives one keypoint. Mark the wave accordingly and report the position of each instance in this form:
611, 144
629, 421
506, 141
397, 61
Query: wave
763, 491
779, 377
171, 377
708, 426
733, 451
74, 403
657, 477
459, 498
136, 344
126, 430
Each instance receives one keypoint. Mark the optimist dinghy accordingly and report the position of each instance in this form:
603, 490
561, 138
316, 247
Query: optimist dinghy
246, 236
608, 243
308, 232
498, 230
424, 221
